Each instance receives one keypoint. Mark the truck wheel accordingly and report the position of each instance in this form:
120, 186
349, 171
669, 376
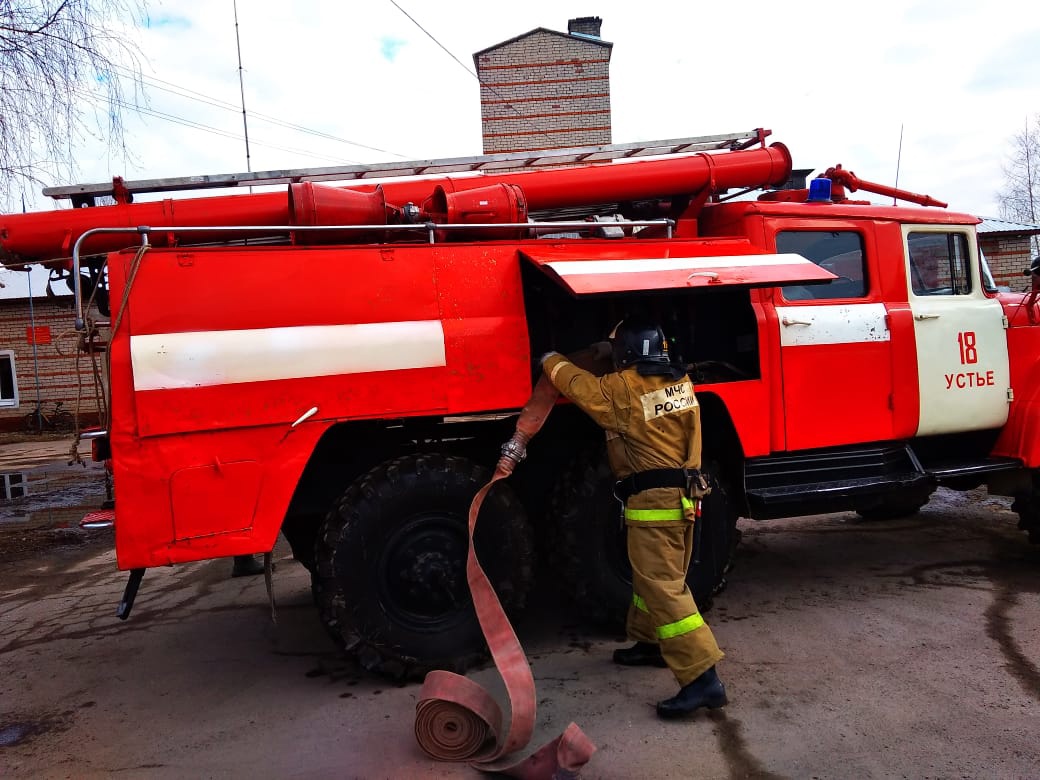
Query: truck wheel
590, 552
896, 506
391, 564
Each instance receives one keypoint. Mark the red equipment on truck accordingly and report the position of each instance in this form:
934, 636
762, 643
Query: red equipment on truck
341, 364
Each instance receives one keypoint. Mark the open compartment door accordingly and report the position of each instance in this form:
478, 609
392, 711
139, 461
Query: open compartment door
590, 270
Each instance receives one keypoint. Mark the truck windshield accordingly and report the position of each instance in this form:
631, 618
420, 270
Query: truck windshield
988, 284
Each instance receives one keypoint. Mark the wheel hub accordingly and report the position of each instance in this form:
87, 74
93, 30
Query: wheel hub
423, 569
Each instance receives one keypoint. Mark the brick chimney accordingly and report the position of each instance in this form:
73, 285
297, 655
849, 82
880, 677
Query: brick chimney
585, 25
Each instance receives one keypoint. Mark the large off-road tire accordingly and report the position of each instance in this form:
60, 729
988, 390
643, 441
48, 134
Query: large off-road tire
589, 541
391, 564
896, 506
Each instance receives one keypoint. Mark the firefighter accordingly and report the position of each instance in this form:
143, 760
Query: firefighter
652, 421
1033, 271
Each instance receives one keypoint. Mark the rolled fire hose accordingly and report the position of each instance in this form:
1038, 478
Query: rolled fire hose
458, 720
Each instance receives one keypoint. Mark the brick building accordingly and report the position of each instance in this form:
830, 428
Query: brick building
39, 360
546, 89
1008, 250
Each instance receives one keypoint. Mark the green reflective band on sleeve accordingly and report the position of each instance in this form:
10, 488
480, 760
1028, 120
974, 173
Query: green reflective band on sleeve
653, 515
686, 502
639, 603
680, 627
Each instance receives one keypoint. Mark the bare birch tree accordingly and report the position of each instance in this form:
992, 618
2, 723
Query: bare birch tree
1019, 200
65, 70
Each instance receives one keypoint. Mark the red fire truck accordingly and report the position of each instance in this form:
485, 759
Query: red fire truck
340, 364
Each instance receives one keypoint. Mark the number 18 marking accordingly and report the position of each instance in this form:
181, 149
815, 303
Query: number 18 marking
966, 342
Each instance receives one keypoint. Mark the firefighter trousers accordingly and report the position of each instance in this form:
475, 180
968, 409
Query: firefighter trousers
663, 610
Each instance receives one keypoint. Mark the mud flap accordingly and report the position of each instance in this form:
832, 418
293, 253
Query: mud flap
127, 603
269, 581
1027, 505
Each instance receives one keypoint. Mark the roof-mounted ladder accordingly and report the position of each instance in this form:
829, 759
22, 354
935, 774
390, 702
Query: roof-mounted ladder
84, 194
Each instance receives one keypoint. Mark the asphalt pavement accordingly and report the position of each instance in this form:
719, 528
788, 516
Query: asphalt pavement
905, 648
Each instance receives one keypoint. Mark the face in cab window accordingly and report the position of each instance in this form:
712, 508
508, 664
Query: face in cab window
938, 263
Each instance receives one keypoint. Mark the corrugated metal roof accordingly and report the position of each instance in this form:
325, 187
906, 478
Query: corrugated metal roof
992, 225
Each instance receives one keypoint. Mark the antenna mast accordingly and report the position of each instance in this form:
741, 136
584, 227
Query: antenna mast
899, 159
241, 85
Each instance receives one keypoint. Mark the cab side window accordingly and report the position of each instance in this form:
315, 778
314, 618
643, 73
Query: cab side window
840, 252
939, 263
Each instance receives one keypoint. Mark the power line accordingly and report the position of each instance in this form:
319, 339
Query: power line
430, 36
152, 82
217, 131
470, 72
218, 103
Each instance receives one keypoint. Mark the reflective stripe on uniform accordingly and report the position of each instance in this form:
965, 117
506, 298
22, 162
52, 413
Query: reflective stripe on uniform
556, 369
653, 515
680, 627
639, 603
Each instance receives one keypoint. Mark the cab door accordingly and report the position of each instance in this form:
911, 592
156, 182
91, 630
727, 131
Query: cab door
962, 358
835, 344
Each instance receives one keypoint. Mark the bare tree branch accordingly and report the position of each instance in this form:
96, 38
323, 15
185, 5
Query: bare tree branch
62, 77
1019, 200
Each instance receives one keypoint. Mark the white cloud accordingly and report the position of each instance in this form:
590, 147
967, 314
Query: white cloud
836, 82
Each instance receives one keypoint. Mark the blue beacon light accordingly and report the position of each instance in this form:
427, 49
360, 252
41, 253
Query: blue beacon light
820, 190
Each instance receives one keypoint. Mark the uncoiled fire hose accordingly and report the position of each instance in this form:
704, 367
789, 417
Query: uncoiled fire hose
456, 719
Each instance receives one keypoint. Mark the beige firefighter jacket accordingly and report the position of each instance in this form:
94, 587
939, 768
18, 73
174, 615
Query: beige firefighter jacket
651, 422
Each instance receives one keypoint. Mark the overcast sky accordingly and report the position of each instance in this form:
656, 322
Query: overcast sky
835, 81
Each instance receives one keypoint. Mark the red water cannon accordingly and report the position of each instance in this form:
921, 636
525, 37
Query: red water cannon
848, 180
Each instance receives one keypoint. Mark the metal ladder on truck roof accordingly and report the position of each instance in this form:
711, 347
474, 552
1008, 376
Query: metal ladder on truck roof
123, 191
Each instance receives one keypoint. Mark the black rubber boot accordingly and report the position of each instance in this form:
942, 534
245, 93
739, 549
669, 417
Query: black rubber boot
706, 691
640, 654
246, 566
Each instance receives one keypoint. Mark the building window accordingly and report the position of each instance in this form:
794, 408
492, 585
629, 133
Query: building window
8, 379
14, 485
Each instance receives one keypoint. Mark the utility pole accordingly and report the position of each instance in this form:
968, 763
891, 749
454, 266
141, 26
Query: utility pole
36, 357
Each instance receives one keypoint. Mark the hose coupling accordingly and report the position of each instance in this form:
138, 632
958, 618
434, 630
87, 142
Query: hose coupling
513, 451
